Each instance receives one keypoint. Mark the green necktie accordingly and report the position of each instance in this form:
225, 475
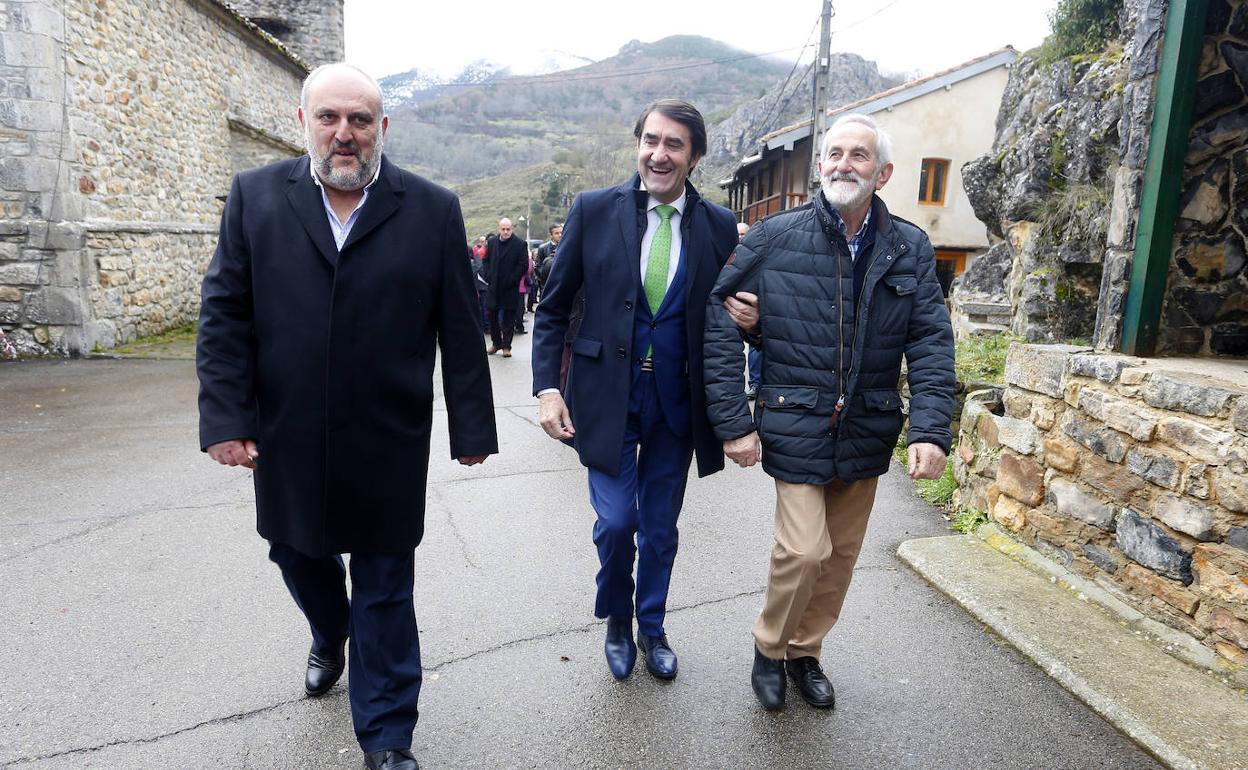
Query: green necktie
655, 282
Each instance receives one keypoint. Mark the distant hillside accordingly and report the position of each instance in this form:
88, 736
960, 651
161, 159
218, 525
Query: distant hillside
473, 133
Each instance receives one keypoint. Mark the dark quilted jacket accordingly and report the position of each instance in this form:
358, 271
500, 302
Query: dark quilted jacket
792, 261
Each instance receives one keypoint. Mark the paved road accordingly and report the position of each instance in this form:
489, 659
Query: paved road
143, 626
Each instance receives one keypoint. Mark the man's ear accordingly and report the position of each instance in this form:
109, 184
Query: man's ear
302, 124
385, 124
885, 173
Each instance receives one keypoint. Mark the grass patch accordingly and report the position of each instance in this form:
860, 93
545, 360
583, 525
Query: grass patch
938, 491
981, 359
968, 520
182, 335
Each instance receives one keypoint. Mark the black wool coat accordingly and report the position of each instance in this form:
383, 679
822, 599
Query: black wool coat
506, 262
820, 343
326, 358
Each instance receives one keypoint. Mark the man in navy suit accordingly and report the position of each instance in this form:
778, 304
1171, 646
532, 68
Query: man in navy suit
645, 254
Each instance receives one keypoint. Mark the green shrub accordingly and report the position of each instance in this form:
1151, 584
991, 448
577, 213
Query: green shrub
1080, 27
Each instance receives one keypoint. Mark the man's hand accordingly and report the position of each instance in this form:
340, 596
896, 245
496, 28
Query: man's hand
472, 459
235, 452
744, 451
926, 461
552, 412
742, 307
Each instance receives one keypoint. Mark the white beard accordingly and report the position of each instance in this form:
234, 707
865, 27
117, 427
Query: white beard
843, 196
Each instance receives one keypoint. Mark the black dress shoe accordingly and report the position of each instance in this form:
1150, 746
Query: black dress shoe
619, 647
812, 683
390, 759
324, 668
767, 679
660, 660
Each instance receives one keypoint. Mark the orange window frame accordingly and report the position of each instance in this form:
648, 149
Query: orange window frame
933, 181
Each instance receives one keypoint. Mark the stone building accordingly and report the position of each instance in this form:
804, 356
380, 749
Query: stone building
937, 123
121, 125
1125, 458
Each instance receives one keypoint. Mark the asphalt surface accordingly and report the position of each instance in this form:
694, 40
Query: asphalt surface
144, 627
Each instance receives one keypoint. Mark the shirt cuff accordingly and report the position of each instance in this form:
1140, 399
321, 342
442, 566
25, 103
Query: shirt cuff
544, 391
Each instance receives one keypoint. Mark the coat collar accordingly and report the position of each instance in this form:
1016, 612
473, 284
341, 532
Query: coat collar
305, 198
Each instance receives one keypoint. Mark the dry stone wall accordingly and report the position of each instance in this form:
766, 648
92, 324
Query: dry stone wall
1131, 472
121, 124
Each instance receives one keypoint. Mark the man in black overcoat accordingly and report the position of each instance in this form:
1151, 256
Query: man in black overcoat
335, 276
506, 262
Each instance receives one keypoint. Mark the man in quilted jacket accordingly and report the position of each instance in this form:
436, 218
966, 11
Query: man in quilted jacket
837, 292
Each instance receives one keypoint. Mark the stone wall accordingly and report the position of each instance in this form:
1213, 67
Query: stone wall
1130, 472
121, 124
311, 29
1206, 309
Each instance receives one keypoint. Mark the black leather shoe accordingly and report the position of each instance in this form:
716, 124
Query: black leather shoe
324, 668
620, 650
767, 679
390, 759
812, 683
660, 660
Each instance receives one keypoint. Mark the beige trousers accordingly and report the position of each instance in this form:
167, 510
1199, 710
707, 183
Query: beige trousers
819, 532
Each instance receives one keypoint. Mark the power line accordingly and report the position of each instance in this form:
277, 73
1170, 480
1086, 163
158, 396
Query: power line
785, 84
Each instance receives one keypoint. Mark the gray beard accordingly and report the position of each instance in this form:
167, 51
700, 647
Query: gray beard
346, 181
844, 198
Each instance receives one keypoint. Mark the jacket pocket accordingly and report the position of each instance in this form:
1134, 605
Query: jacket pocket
584, 346
882, 400
788, 396
902, 284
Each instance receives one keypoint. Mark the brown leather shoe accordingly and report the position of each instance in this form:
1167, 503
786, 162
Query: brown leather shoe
491, 350
506, 352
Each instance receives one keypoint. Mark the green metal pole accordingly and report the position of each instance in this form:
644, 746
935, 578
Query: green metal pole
1163, 174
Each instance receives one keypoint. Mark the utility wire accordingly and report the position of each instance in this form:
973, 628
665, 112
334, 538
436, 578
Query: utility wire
780, 93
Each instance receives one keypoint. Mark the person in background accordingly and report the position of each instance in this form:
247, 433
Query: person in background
507, 259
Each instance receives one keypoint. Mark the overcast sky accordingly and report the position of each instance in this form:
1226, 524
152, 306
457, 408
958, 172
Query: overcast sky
901, 36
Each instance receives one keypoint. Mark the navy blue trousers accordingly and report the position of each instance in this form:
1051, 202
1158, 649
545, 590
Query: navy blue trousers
380, 619
642, 501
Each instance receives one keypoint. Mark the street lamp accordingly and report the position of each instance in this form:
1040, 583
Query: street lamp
525, 221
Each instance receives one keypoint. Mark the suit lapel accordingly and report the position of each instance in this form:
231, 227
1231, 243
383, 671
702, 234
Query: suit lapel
305, 198
382, 202
626, 215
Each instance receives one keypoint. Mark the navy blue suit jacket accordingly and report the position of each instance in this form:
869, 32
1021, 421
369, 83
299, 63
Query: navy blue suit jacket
601, 254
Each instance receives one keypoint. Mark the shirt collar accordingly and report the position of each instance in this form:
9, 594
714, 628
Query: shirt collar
678, 204
840, 223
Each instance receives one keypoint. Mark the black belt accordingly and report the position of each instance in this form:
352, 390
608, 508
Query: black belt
647, 364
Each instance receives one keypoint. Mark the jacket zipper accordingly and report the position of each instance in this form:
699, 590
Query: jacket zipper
858, 312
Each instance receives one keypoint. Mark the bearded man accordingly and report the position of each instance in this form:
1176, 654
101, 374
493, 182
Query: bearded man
335, 277
839, 291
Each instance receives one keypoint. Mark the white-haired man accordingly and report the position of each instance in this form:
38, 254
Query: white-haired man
839, 291
335, 278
